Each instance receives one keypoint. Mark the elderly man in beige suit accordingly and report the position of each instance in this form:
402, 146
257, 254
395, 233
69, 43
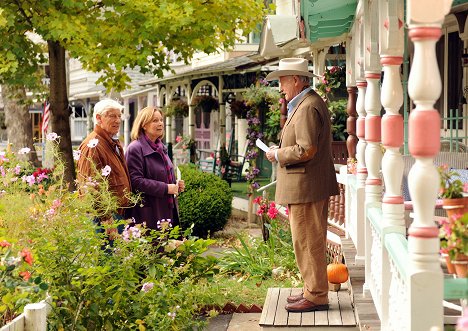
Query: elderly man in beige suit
305, 179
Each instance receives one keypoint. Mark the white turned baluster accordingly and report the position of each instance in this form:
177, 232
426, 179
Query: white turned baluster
424, 87
373, 150
391, 43
361, 134
394, 289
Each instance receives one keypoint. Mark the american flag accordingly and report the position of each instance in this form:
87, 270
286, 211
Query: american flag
45, 118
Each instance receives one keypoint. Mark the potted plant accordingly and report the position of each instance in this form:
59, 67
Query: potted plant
451, 191
205, 103
454, 242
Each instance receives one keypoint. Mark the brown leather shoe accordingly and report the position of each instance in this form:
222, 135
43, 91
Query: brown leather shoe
304, 305
295, 298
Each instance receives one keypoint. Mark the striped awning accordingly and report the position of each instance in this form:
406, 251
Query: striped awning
326, 19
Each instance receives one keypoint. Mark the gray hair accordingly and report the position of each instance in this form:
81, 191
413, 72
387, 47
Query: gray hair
304, 79
104, 106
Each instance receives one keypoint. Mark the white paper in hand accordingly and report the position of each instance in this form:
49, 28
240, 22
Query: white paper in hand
178, 174
260, 144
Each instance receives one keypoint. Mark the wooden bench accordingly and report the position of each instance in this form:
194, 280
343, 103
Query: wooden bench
340, 316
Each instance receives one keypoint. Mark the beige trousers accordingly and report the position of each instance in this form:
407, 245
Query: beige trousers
308, 223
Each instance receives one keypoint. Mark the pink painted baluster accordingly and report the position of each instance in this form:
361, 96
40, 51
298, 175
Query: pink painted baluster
425, 19
361, 133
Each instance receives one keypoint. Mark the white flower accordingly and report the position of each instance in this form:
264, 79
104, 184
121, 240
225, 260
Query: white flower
106, 170
24, 150
76, 154
52, 136
92, 143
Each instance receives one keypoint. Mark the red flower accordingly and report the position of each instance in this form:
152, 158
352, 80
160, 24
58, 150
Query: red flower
27, 256
257, 200
4, 243
25, 274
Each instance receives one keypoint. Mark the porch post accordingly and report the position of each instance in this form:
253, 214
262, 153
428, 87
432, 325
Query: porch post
424, 19
352, 139
191, 115
126, 122
222, 112
391, 58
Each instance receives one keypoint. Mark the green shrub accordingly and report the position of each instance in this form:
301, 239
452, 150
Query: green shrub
206, 202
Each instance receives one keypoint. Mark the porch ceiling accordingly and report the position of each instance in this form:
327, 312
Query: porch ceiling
326, 19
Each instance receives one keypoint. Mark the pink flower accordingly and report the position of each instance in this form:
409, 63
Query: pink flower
272, 212
178, 139
147, 287
4, 243
257, 200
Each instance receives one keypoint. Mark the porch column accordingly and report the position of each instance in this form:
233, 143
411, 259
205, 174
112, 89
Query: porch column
424, 19
191, 116
126, 116
168, 120
352, 139
222, 113
391, 58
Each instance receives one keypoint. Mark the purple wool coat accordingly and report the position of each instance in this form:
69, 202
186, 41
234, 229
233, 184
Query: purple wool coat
148, 177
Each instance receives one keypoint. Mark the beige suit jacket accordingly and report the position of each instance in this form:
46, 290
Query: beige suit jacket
305, 171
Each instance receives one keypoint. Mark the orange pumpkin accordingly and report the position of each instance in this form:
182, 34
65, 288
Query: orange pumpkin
337, 273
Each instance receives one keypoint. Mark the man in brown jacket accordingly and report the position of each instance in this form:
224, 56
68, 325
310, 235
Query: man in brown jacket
305, 179
101, 151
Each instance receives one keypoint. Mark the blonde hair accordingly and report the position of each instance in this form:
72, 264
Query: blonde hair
144, 116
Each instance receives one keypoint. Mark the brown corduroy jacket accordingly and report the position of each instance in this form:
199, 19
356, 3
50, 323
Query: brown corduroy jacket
305, 171
105, 153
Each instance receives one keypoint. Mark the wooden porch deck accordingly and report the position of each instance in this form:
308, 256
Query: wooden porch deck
340, 316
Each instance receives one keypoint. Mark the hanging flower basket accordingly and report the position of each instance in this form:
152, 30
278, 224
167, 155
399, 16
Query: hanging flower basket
205, 103
177, 108
239, 108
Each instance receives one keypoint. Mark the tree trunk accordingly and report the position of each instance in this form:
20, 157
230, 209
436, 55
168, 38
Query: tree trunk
18, 122
60, 114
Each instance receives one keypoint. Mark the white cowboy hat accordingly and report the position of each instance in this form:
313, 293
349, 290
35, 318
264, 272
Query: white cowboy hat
290, 67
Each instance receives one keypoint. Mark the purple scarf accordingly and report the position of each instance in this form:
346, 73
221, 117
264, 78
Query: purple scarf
159, 148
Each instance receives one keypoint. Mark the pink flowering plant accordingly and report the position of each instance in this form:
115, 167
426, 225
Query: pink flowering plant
264, 101
18, 283
451, 187
333, 79
454, 236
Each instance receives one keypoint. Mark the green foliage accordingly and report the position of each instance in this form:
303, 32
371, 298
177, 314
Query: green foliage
450, 186
205, 203
338, 117
332, 81
177, 108
205, 103
113, 36
140, 280
18, 284
261, 259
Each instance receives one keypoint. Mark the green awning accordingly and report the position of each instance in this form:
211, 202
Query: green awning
327, 18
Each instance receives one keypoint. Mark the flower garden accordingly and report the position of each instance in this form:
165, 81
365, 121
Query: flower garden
139, 280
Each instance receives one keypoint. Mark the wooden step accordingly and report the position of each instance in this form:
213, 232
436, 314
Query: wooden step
340, 316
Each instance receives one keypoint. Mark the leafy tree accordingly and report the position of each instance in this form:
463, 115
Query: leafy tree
109, 36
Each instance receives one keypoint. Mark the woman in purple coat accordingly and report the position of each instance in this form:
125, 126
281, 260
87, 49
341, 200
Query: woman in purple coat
151, 171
